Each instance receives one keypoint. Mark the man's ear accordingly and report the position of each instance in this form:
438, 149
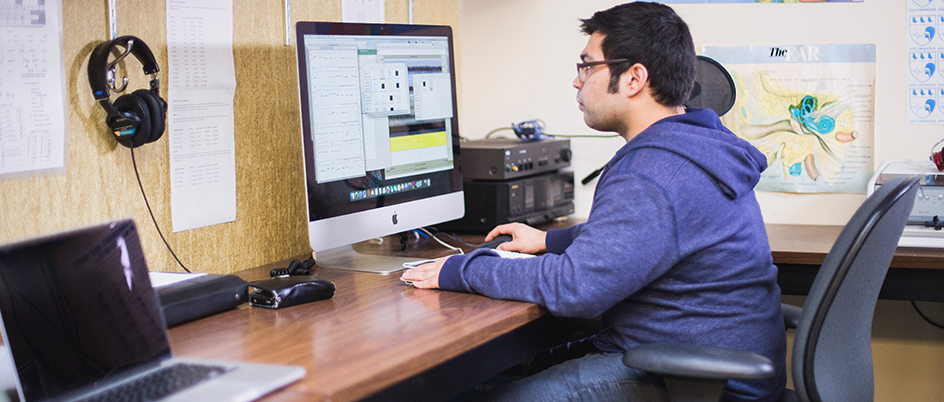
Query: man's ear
635, 79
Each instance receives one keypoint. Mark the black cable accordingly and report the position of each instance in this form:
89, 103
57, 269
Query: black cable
404, 239
592, 175
935, 223
455, 237
295, 267
152, 213
915, 305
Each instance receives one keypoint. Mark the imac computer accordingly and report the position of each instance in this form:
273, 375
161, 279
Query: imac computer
380, 135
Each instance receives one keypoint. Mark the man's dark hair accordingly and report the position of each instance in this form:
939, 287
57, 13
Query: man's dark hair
653, 35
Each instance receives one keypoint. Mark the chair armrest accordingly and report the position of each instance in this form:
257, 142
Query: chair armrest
791, 315
697, 361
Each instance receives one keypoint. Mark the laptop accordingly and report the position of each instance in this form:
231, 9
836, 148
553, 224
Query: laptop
82, 322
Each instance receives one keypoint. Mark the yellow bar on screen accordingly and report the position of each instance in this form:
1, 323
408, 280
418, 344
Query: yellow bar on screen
408, 142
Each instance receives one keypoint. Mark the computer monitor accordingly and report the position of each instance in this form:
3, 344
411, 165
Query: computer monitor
380, 135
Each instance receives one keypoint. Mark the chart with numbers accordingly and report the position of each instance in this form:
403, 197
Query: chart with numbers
200, 115
32, 94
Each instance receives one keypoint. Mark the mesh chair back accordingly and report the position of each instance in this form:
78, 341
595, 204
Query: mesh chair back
832, 352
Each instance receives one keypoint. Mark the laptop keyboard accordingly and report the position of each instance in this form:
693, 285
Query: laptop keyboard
158, 384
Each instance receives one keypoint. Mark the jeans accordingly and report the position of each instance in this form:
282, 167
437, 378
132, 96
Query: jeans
597, 376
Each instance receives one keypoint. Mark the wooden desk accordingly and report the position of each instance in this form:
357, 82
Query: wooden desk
378, 339
799, 250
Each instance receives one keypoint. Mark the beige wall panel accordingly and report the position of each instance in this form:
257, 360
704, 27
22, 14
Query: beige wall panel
99, 182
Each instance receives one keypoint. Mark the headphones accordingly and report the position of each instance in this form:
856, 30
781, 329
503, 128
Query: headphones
936, 156
136, 118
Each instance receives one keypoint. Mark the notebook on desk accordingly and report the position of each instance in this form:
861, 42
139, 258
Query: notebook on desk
82, 322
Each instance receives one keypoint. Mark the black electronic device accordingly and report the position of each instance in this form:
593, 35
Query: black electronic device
379, 134
287, 291
531, 200
136, 118
505, 158
201, 296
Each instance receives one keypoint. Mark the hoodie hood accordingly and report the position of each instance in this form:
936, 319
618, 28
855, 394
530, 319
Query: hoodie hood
698, 135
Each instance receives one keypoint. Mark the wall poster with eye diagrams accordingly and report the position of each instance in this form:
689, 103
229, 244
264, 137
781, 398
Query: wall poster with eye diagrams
809, 109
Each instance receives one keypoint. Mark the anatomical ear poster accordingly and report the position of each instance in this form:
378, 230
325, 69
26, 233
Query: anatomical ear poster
809, 109
756, 1
925, 44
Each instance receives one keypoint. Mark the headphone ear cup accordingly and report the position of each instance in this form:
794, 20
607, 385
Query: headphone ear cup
156, 110
132, 105
938, 159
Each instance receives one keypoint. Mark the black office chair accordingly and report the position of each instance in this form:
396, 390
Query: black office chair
832, 349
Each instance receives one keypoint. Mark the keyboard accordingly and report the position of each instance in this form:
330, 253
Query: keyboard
158, 384
511, 254
501, 253
414, 264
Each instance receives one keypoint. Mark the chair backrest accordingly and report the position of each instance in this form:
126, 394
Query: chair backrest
832, 350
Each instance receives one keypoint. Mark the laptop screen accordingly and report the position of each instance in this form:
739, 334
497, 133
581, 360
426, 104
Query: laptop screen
76, 307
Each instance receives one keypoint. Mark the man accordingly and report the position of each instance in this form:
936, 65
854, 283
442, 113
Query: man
674, 249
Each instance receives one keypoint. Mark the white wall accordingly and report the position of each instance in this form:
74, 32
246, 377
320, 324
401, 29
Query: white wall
518, 61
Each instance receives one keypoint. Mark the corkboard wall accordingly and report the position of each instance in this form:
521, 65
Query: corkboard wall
99, 182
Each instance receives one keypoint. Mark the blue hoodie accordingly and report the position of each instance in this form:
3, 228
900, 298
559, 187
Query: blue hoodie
674, 250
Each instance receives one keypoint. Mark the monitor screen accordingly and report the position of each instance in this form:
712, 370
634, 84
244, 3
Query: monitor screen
379, 130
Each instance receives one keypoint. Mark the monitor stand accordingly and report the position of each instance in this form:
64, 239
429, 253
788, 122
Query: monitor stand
345, 258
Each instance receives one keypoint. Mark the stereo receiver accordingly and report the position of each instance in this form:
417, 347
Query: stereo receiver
926, 220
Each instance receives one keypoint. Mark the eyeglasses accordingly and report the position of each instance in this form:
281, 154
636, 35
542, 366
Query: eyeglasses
583, 69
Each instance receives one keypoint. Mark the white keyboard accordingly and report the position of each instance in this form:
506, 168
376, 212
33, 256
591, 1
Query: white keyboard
501, 253
511, 254
414, 264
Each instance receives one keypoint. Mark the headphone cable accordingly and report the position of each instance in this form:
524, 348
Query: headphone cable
925, 317
152, 212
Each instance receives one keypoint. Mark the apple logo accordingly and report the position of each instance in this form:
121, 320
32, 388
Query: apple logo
394, 218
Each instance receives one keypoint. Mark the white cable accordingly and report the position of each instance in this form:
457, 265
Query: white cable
446, 245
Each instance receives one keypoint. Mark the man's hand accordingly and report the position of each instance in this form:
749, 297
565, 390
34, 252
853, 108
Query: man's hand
425, 276
525, 239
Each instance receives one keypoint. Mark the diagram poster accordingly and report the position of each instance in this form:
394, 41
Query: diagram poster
809, 109
757, 1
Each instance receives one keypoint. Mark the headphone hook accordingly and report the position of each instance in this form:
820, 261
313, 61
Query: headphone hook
110, 72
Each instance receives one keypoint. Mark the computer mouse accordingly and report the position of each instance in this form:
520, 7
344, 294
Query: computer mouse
496, 241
